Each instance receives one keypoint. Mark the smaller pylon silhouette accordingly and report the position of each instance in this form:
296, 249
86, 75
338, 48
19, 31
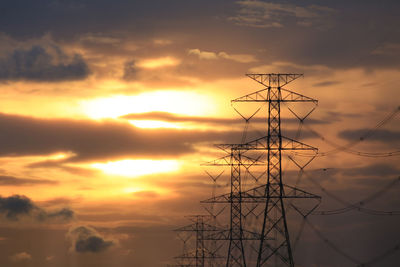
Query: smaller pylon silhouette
198, 256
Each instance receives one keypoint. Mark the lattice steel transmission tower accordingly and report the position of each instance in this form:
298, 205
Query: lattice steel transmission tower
274, 223
201, 253
236, 233
265, 200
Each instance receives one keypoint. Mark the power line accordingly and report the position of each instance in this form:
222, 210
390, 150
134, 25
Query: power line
347, 148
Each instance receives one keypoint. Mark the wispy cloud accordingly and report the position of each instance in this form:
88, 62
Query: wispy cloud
273, 15
17, 181
22, 256
241, 58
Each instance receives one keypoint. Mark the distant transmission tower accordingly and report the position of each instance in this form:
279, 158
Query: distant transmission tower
236, 233
200, 254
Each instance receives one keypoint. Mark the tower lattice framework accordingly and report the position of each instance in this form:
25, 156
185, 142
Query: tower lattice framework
275, 240
270, 237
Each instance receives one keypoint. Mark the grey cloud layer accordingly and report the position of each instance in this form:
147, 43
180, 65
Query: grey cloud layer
17, 181
90, 140
381, 135
39, 64
17, 207
170, 117
359, 34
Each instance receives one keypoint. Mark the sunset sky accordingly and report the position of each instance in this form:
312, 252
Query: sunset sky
108, 109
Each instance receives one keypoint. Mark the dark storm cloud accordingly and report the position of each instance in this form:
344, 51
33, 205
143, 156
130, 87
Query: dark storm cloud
39, 64
381, 135
16, 207
16, 181
87, 239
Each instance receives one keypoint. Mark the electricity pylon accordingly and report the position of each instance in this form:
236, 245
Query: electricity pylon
274, 237
236, 233
274, 223
272, 233
198, 256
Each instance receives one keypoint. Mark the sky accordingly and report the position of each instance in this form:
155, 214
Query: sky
109, 108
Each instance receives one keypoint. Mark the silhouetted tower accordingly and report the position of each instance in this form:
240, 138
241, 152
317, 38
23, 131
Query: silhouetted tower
202, 230
236, 255
271, 232
274, 224
236, 233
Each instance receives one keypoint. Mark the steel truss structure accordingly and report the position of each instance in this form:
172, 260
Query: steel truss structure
267, 237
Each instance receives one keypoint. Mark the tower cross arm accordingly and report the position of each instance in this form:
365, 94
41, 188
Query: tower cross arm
228, 160
285, 96
192, 255
270, 79
225, 235
289, 96
258, 195
262, 144
193, 228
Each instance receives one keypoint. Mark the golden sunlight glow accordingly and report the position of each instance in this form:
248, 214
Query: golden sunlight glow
59, 156
180, 102
158, 62
133, 168
129, 190
153, 124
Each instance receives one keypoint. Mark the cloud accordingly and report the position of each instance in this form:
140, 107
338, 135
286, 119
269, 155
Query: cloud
203, 54
17, 206
380, 135
241, 58
41, 64
93, 140
326, 83
99, 39
170, 117
284, 67
130, 70
387, 49
87, 239
50, 258
377, 170
63, 213
15, 181
261, 14
88, 141
22, 256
